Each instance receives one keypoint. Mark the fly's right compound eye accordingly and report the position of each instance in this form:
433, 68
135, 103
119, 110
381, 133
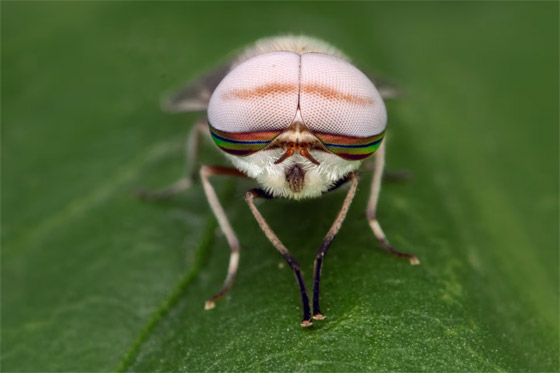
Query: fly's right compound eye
242, 143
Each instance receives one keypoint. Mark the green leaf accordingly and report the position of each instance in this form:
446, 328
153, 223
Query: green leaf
94, 280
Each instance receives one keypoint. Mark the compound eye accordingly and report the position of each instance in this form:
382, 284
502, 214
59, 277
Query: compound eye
256, 101
351, 148
338, 99
242, 143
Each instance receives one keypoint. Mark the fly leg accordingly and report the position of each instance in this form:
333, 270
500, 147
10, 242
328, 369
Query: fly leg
354, 178
206, 171
192, 147
274, 240
372, 208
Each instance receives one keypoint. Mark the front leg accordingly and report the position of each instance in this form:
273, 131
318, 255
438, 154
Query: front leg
206, 172
372, 208
274, 240
354, 177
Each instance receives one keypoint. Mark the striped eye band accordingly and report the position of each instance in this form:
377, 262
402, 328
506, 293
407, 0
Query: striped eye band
243, 143
351, 148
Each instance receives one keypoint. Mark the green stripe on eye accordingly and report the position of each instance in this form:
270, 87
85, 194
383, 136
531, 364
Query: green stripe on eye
244, 143
351, 148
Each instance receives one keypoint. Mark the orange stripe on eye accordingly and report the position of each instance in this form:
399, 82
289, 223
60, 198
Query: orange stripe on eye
334, 95
259, 92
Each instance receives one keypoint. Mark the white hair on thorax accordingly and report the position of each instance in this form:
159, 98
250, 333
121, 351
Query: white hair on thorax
299, 44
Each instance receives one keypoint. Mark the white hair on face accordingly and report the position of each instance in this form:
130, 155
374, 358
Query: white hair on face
299, 44
318, 179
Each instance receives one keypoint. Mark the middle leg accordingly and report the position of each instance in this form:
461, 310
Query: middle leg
371, 211
206, 171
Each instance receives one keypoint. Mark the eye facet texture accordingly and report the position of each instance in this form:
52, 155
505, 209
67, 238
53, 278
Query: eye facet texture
261, 94
337, 98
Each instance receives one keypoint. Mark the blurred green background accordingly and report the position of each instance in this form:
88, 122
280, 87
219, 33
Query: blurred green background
94, 280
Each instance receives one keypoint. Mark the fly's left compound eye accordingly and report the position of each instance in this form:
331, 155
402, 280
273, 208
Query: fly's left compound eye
351, 148
341, 106
255, 102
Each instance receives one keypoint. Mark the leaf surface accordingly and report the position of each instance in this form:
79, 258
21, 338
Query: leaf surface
94, 280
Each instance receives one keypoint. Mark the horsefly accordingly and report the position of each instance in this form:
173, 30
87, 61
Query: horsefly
293, 114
